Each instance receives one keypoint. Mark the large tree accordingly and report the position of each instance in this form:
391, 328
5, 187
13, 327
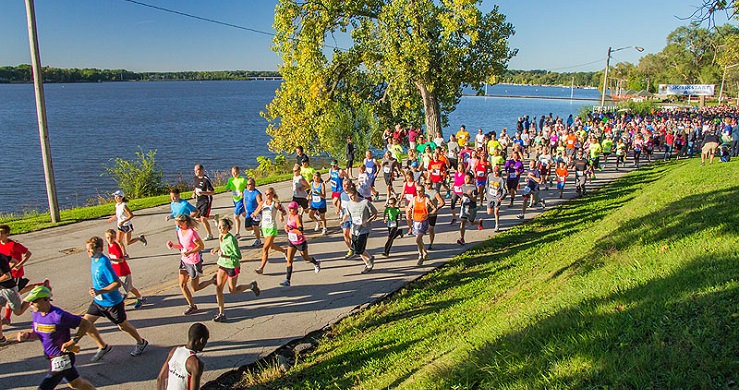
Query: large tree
396, 60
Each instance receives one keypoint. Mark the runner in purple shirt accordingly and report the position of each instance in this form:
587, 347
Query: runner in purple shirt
514, 167
51, 325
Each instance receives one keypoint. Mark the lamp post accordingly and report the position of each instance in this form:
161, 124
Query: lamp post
721, 91
608, 65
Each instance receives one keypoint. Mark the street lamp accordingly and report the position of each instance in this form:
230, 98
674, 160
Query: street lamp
608, 64
721, 92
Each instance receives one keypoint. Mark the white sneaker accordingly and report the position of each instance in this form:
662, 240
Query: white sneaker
324, 232
317, 265
317, 228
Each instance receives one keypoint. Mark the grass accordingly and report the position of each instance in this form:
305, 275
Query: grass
635, 286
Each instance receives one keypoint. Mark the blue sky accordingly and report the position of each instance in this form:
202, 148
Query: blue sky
554, 35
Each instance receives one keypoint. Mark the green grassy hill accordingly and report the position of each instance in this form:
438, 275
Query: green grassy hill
635, 286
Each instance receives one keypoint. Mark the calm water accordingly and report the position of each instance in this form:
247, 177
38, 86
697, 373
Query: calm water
216, 123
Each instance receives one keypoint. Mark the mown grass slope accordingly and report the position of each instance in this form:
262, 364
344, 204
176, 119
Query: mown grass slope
634, 286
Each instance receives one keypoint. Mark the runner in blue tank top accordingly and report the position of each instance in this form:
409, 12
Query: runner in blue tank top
252, 200
371, 164
318, 202
337, 176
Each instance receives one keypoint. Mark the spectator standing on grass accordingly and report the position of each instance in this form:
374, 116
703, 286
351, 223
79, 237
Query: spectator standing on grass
349, 151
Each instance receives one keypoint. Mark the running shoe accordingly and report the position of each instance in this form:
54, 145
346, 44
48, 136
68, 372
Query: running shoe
448, 195
479, 226
317, 228
127, 257
385, 254
138, 304
3, 340
254, 288
139, 348
209, 237
317, 265
142, 238
191, 310
420, 260
497, 229
259, 271
324, 232
454, 220
220, 317
460, 241
237, 236
100, 353
366, 270
349, 254
285, 283
256, 243
520, 216
429, 247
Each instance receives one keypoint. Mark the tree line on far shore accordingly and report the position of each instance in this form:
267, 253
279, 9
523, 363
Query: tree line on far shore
22, 74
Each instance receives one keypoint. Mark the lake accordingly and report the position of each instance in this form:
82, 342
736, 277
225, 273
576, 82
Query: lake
215, 123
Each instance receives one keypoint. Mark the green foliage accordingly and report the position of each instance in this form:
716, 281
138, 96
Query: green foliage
139, 177
406, 61
545, 77
634, 286
641, 108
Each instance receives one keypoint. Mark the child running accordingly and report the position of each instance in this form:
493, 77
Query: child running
296, 242
229, 267
191, 262
121, 268
392, 216
562, 173
123, 217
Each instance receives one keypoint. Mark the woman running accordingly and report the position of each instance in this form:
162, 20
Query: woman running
418, 211
123, 216
269, 210
229, 267
191, 263
457, 183
296, 242
318, 202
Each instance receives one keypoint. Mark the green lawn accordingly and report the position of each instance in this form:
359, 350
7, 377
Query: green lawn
635, 286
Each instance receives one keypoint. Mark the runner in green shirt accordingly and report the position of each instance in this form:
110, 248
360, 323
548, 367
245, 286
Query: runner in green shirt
607, 145
236, 184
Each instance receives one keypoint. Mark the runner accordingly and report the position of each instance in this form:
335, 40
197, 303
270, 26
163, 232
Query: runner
296, 241
19, 256
318, 203
121, 268
269, 209
191, 261
364, 183
580, 164
531, 192
595, 151
300, 189
620, 152
237, 185
463, 136
457, 183
390, 168
361, 213
637, 145
562, 173
252, 200
122, 217
496, 191
468, 210
481, 170
452, 151
107, 301
432, 192
391, 216
607, 145
9, 293
515, 168
52, 325
179, 206
418, 211
337, 177
203, 193
370, 163
346, 226
183, 368
229, 268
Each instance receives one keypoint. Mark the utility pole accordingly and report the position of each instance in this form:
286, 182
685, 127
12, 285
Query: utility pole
41, 114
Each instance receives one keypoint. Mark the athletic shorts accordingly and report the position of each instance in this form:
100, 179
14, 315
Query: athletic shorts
372, 180
335, 195
349, 163
11, 296
303, 246
359, 243
126, 282
249, 222
560, 185
346, 225
302, 202
480, 183
494, 203
321, 210
21, 282
193, 270
269, 232
468, 212
456, 198
512, 185
420, 228
126, 228
710, 147
203, 207
432, 219
116, 314
231, 272
239, 207
54, 378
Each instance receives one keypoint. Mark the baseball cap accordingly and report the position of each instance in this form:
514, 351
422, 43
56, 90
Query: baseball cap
37, 293
118, 193
293, 205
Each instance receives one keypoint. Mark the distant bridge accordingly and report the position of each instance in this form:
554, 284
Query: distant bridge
264, 78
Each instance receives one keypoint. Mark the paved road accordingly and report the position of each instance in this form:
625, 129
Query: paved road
256, 327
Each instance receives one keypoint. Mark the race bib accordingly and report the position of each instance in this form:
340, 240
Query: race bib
392, 224
579, 173
408, 197
293, 237
61, 363
386, 169
457, 189
316, 198
370, 170
436, 172
493, 191
257, 218
236, 193
480, 173
356, 221
267, 218
560, 178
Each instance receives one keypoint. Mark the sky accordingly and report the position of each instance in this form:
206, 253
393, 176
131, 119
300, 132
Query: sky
563, 35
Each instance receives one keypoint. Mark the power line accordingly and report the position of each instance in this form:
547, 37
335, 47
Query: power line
577, 66
270, 34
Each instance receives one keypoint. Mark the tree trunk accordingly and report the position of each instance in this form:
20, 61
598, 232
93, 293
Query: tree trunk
432, 109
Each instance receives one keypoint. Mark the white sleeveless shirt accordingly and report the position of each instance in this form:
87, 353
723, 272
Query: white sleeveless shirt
179, 378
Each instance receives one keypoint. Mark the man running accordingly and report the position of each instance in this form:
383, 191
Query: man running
514, 167
533, 180
390, 167
580, 164
252, 200
496, 191
183, 369
107, 302
237, 184
300, 189
52, 325
361, 213
204, 192
432, 192
9, 292
19, 256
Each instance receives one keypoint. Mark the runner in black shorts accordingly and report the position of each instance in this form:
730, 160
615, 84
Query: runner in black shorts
204, 192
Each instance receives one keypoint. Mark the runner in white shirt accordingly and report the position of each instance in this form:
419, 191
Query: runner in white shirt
183, 368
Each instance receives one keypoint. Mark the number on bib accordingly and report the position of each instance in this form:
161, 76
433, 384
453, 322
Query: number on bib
61, 363
386, 169
292, 237
316, 198
392, 224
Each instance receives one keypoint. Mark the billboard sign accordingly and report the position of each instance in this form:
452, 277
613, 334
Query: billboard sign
687, 89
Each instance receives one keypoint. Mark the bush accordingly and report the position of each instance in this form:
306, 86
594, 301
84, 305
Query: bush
139, 177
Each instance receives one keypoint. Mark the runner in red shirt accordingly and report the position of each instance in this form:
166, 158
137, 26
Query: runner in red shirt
121, 268
481, 169
19, 255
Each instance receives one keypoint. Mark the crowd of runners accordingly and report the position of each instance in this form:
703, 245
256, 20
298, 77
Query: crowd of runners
476, 175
